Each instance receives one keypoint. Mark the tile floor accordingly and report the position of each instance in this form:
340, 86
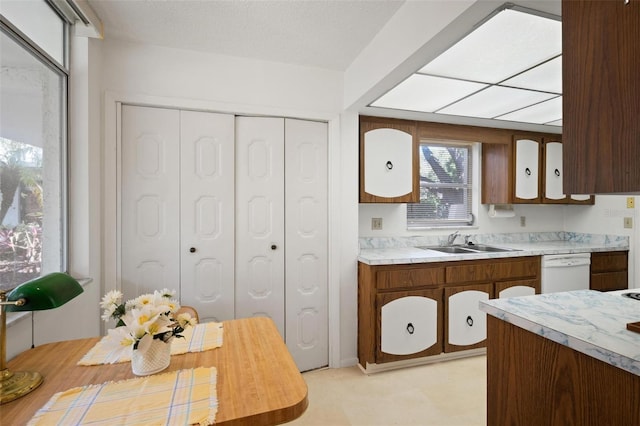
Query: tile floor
449, 393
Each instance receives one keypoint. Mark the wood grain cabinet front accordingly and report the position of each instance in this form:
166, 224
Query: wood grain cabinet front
527, 171
609, 271
428, 309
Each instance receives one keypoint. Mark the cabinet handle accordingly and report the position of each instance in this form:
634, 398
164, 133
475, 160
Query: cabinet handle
273, 246
192, 250
470, 321
410, 328
527, 171
389, 165
557, 172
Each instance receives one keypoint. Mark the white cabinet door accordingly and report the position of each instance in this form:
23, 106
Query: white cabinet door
150, 200
467, 324
553, 171
517, 290
260, 219
207, 213
408, 325
526, 172
306, 243
388, 163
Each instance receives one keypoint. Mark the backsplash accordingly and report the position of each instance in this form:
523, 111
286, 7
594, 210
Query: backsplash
519, 237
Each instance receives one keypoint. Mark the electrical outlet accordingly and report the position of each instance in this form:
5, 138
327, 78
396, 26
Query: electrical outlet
376, 223
628, 222
631, 202
523, 221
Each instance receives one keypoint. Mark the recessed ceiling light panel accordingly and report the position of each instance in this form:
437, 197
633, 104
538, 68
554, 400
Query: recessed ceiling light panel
546, 77
508, 43
426, 94
542, 113
495, 101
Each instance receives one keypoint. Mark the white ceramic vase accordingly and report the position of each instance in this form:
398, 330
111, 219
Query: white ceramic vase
155, 359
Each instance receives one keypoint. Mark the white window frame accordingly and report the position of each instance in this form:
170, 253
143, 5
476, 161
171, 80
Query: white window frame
472, 194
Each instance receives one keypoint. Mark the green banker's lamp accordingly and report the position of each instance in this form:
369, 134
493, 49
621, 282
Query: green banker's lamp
47, 292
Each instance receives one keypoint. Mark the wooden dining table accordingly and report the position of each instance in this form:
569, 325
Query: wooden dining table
258, 382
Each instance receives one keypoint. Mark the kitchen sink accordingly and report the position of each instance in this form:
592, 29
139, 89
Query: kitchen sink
448, 249
468, 249
482, 247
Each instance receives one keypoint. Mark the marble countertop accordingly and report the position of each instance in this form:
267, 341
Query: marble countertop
587, 321
388, 251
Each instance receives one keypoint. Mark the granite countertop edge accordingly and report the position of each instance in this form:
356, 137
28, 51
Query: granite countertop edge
588, 321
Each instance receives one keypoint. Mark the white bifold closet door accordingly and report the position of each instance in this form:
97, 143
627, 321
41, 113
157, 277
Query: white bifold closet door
232, 213
281, 231
177, 207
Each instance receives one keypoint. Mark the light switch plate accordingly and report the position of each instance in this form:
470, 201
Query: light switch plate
376, 223
628, 222
631, 202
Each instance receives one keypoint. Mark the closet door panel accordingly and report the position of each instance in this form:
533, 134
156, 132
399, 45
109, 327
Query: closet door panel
260, 219
207, 214
150, 212
306, 242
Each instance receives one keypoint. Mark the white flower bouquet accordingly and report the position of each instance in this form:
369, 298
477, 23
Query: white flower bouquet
147, 317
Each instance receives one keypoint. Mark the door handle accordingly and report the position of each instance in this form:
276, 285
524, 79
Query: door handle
192, 250
273, 246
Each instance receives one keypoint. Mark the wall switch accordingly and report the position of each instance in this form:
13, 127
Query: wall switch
523, 221
628, 222
376, 223
631, 202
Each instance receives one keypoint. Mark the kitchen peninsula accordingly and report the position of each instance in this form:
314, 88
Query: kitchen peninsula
563, 359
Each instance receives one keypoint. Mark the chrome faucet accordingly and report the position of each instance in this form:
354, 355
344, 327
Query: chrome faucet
452, 237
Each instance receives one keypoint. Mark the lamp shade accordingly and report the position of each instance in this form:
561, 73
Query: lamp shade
46, 292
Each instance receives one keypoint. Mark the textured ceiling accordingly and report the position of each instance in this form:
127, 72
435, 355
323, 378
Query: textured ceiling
320, 33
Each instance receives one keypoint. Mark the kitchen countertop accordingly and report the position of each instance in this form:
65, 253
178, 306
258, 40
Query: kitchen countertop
388, 251
590, 322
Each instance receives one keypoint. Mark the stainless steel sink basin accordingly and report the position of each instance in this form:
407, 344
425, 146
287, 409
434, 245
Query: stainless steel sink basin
468, 249
482, 247
449, 249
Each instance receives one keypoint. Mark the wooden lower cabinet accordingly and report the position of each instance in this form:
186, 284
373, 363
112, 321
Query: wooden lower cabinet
534, 381
609, 271
409, 324
466, 325
421, 310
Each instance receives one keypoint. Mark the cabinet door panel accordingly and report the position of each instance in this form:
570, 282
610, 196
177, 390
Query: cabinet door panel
466, 324
553, 172
388, 163
526, 170
409, 324
517, 288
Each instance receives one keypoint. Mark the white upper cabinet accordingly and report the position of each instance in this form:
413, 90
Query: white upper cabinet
388, 161
553, 171
527, 166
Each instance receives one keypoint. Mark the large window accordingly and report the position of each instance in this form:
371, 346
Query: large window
445, 186
33, 82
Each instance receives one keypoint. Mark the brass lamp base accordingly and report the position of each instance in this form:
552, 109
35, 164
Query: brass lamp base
15, 385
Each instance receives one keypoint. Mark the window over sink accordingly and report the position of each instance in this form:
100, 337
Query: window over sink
446, 186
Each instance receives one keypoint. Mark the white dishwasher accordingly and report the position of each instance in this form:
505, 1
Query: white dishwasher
565, 272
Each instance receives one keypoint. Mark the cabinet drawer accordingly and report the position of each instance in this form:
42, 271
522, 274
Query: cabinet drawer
609, 281
612, 261
408, 278
494, 270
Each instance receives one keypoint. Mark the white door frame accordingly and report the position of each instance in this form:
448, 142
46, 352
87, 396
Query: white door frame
111, 185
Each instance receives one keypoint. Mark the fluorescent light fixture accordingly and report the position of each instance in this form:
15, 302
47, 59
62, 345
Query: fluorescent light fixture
508, 43
543, 113
495, 101
546, 77
509, 63
426, 94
